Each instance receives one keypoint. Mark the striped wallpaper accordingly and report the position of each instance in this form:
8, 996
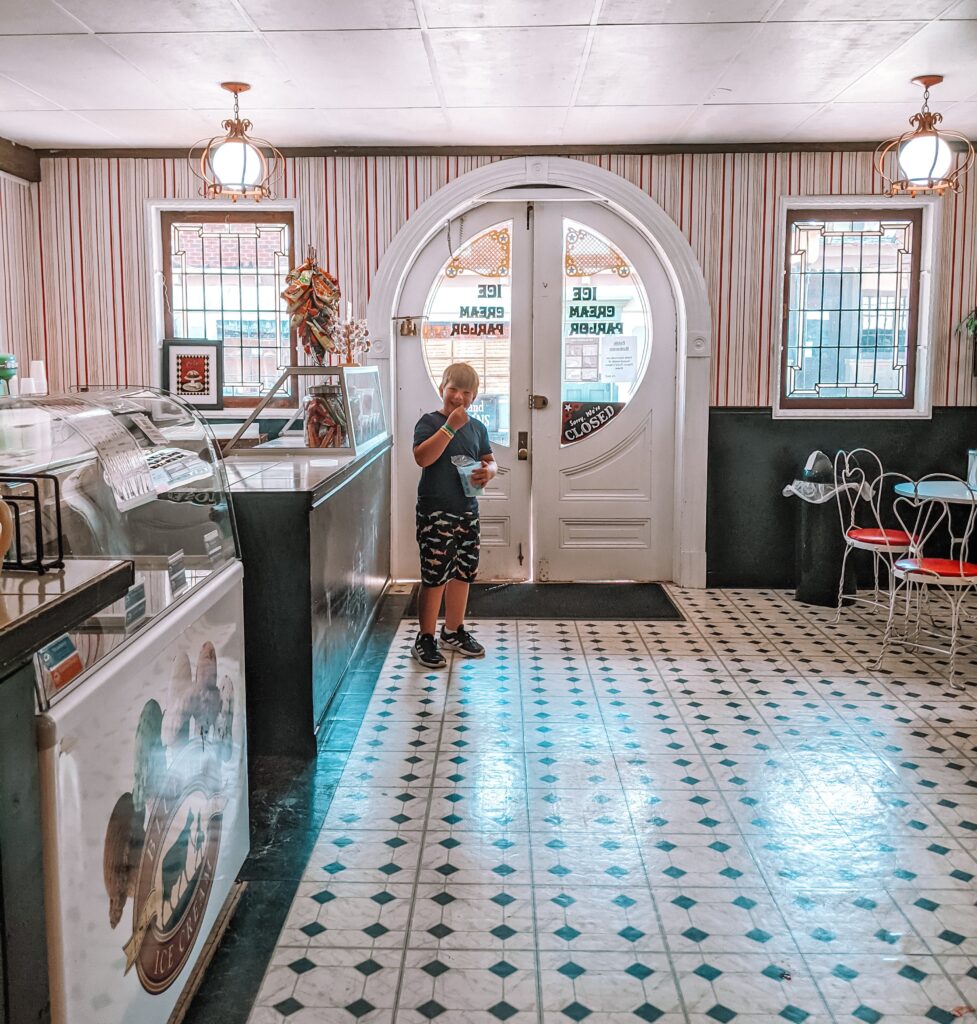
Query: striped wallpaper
85, 224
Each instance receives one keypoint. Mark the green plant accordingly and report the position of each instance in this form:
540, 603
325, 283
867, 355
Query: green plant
969, 324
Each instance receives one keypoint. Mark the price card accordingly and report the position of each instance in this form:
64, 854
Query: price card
177, 572
146, 425
213, 546
135, 606
61, 661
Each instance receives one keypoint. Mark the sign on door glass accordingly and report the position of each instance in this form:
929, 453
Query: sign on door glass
606, 332
468, 319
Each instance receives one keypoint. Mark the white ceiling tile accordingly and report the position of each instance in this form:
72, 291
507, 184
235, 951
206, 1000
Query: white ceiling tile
156, 128
658, 12
504, 126
867, 11
947, 48
191, 66
16, 97
669, 64
853, 122
358, 69
794, 62
54, 129
964, 9
337, 14
508, 66
78, 72
35, 17
171, 15
594, 126
478, 14
408, 126
962, 117
732, 122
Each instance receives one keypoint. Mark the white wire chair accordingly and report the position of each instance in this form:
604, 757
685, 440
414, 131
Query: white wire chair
861, 487
940, 528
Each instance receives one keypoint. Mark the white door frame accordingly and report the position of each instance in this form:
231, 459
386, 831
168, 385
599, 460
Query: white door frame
692, 315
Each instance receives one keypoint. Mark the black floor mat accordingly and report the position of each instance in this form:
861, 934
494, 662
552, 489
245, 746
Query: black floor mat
565, 601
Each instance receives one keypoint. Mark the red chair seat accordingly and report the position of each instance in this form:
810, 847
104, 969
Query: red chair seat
882, 537
947, 567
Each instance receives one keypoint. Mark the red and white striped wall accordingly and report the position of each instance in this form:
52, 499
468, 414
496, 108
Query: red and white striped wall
90, 310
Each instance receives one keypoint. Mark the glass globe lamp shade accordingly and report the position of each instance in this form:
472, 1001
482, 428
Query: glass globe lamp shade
925, 157
237, 166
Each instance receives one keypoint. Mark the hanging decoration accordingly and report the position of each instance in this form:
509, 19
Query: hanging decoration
924, 155
312, 297
236, 164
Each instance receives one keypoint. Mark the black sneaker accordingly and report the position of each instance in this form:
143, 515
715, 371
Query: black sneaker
425, 651
462, 642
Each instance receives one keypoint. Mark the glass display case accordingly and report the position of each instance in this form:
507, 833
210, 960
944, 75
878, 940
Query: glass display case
113, 473
341, 412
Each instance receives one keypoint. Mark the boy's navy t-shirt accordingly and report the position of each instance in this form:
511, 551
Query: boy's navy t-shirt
440, 487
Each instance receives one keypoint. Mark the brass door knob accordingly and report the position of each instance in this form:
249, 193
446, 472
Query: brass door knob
523, 454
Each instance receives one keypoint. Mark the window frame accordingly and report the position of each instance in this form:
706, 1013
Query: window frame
922, 313
170, 216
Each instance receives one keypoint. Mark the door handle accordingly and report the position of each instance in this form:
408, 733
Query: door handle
538, 401
522, 445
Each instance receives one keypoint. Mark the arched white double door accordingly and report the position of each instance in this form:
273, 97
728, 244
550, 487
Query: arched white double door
567, 314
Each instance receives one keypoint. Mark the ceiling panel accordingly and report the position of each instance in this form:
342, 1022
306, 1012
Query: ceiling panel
861, 10
77, 72
375, 127
637, 64
16, 97
171, 15
538, 68
964, 9
357, 69
758, 121
501, 13
191, 66
853, 122
655, 12
625, 125
54, 129
35, 17
501, 126
336, 14
947, 48
792, 62
157, 128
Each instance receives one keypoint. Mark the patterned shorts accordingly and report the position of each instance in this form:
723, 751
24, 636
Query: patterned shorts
449, 543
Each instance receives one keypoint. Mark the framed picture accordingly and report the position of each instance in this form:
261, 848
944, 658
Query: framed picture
193, 369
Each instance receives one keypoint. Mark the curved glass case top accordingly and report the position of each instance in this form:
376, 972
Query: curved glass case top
118, 473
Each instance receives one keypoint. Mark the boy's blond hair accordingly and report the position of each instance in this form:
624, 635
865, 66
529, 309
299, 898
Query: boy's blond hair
462, 376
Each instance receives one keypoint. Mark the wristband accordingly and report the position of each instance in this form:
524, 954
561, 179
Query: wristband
447, 430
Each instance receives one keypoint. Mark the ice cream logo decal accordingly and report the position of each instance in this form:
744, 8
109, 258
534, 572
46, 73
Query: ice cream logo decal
163, 837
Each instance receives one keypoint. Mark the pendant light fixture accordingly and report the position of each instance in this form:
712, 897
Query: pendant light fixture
925, 157
235, 164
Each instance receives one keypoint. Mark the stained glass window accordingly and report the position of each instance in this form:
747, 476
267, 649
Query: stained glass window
224, 276
468, 320
850, 309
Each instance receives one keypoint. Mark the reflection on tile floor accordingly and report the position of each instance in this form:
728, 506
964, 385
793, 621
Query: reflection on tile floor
728, 818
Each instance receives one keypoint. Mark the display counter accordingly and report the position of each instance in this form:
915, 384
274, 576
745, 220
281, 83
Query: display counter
315, 540
34, 611
140, 706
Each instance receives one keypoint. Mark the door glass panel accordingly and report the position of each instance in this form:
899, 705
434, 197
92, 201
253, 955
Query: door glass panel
606, 332
467, 320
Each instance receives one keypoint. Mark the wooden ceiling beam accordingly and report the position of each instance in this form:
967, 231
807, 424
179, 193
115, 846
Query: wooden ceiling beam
20, 161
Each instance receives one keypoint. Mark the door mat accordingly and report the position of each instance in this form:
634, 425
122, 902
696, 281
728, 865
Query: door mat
591, 601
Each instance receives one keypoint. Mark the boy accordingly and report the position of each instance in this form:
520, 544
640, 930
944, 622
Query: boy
447, 520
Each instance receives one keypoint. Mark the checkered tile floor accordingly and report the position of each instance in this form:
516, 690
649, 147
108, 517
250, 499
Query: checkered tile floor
726, 819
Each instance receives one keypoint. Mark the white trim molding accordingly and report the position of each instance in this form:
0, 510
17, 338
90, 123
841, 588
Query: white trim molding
693, 315
926, 315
